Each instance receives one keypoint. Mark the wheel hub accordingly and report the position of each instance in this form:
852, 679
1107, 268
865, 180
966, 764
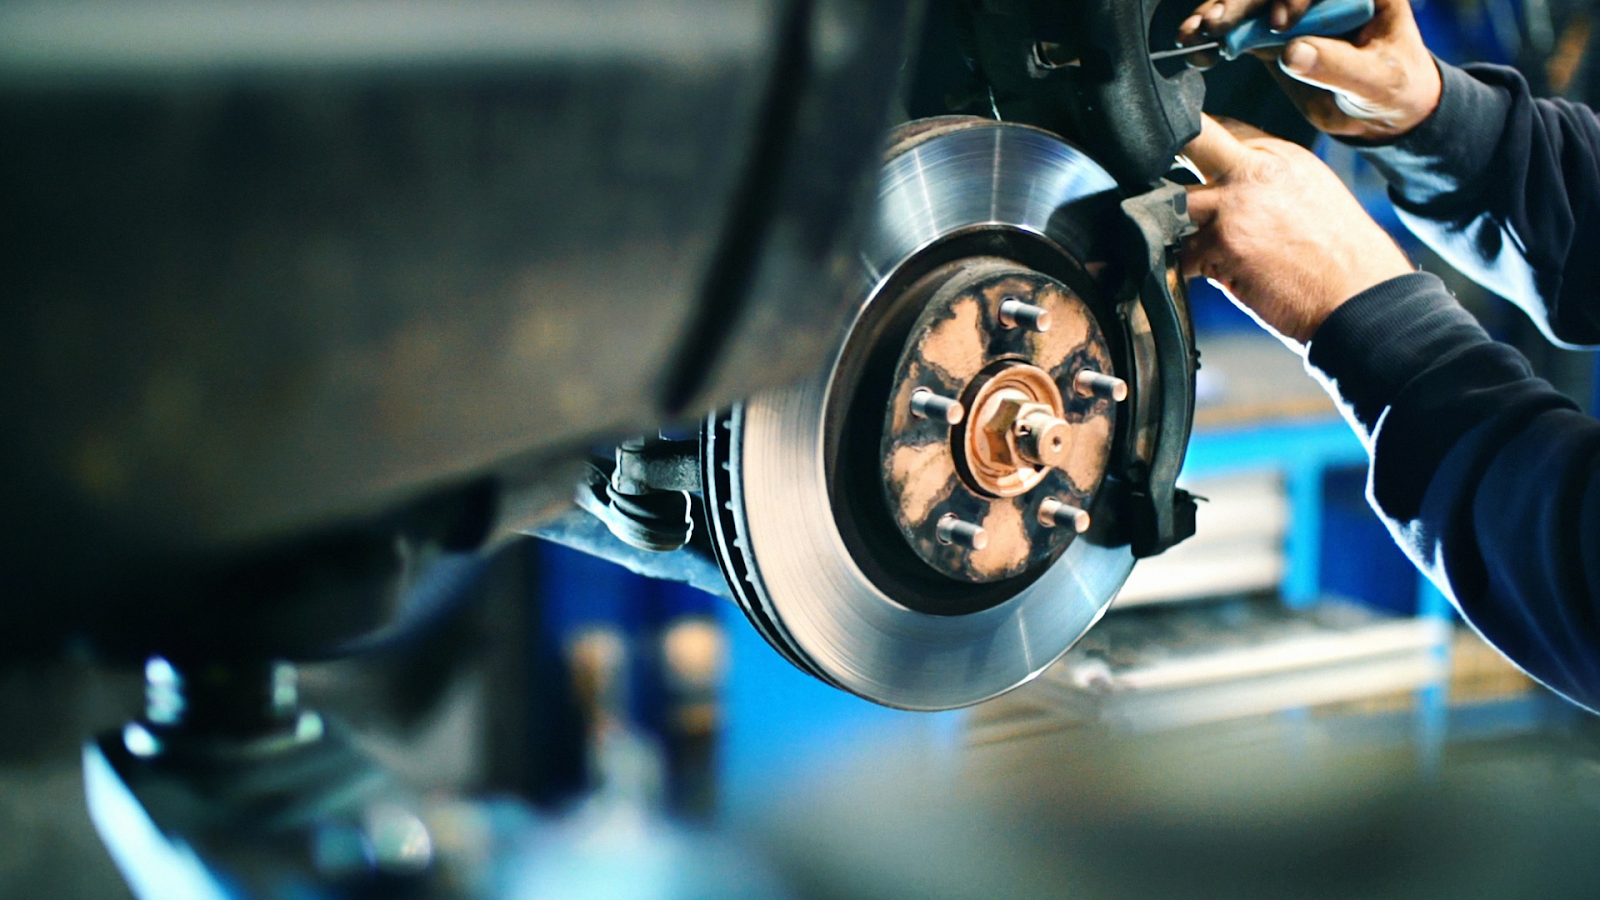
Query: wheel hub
991, 416
1016, 434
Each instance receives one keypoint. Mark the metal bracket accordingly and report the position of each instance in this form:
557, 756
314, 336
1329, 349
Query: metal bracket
1145, 117
644, 497
1083, 70
1160, 513
657, 464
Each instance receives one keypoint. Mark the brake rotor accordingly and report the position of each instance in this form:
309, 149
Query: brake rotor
919, 527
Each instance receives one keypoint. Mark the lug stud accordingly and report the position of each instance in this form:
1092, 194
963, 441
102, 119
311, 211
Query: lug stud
1055, 514
952, 530
1099, 384
926, 404
1016, 314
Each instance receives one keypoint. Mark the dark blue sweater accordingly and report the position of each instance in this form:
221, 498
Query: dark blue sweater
1488, 478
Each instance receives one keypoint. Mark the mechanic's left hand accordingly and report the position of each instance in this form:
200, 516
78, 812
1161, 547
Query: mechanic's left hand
1376, 84
1213, 19
1279, 231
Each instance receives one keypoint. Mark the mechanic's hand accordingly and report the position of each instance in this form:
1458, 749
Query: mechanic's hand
1378, 85
1213, 19
1279, 231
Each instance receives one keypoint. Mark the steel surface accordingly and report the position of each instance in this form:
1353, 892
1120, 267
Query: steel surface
801, 574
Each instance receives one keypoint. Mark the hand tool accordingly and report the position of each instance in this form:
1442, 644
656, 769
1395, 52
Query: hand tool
1328, 18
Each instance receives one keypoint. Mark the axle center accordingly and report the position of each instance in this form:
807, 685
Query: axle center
1016, 432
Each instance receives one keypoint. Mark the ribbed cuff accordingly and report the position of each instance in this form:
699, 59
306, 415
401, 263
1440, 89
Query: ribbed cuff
1449, 152
1385, 336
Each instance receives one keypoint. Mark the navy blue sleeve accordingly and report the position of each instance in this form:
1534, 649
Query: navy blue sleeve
1487, 477
1506, 188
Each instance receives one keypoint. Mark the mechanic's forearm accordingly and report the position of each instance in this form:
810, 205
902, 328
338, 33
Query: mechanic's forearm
1443, 166
1506, 189
1487, 477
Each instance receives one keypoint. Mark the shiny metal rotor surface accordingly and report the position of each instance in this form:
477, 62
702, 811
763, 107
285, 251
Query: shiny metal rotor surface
800, 582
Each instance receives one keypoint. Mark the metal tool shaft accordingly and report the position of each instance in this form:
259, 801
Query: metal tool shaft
1185, 51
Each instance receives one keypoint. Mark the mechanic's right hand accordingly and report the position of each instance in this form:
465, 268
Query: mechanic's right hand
1279, 231
1378, 85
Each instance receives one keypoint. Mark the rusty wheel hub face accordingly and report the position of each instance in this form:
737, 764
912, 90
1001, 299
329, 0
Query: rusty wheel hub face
995, 439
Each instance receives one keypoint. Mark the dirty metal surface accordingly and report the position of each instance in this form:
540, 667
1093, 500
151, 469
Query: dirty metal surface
960, 348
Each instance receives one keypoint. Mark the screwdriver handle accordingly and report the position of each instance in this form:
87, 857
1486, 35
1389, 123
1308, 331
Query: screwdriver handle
1329, 18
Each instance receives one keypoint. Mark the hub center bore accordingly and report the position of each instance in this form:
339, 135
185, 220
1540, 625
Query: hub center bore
1015, 433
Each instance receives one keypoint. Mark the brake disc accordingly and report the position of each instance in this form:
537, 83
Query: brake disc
947, 510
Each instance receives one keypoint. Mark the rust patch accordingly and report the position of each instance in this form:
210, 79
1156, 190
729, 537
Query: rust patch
1174, 283
900, 403
922, 475
956, 345
1009, 548
1070, 329
1086, 458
